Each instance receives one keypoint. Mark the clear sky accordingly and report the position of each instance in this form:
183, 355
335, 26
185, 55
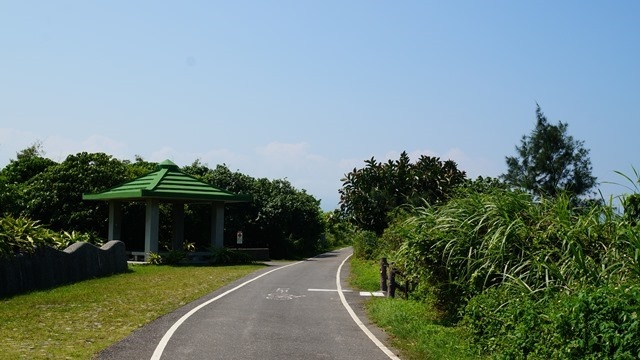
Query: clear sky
307, 90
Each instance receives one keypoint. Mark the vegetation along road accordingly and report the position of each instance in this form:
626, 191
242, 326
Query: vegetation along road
291, 310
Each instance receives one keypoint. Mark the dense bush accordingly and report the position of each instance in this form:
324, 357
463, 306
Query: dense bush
338, 231
20, 235
173, 257
590, 323
287, 220
226, 256
483, 240
366, 245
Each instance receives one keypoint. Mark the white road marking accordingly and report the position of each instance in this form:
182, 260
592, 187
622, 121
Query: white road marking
282, 294
167, 336
334, 290
372, 293
355, 318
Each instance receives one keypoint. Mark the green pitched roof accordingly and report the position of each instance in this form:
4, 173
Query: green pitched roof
168, 183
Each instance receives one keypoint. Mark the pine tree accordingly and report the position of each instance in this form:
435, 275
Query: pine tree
550, 161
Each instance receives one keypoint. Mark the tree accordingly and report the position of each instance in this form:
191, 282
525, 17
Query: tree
369, 194
55, 195
29, 162
550, 161
13, 178
287, 220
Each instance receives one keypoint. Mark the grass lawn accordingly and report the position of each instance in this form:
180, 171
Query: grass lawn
414, 326
77, 321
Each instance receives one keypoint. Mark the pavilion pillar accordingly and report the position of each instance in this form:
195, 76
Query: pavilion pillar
151, 230
115, 220
178, 226
217, 224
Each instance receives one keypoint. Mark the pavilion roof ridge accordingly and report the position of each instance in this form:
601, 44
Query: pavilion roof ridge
167, 182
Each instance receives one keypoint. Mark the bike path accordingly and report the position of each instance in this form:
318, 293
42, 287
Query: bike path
289, 310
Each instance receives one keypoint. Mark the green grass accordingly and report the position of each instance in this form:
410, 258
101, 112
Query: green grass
415, 327
77, 321
365, 274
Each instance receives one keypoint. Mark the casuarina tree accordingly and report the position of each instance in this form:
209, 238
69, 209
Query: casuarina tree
549, 161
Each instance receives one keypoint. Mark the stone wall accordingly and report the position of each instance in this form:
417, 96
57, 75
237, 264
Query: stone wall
48, 267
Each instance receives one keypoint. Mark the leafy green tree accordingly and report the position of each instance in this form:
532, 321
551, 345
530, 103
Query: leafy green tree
287, 220
369, 194
550, 161
236, 214
29, 162
55, 196
140, 167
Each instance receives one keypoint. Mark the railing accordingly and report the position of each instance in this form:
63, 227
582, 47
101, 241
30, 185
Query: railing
388, 283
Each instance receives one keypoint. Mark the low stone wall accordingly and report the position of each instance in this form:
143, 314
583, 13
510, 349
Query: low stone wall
48, 267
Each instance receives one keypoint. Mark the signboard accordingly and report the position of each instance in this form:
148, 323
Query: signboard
239, 237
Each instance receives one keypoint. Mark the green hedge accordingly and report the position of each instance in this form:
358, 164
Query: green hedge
590, 323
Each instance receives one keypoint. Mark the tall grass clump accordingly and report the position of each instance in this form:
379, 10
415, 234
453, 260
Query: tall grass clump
533, 278
502, 237
468, 244
526, 277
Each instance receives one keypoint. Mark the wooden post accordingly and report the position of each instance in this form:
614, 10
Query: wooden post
392, 281
383, 274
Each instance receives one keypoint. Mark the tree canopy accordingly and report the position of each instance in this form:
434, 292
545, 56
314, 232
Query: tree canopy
282, 217
550, 161
369, 194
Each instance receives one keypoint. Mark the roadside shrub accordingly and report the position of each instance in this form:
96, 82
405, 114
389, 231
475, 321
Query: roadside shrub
466, 245
366, 245
600, 323
225, 256
338, 230
22, 235
64, 239
483, 240
508, 323
398, 231
590, 323
172, 257
155, 259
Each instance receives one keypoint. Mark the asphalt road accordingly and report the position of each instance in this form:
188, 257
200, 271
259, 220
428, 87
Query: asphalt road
289, 310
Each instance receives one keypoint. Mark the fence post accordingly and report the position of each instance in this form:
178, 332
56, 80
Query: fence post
383, 274
392, 281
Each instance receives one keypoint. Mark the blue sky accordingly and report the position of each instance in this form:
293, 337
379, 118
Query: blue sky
307, 90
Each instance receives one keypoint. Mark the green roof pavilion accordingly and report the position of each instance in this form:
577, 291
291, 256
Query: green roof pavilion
167, 184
